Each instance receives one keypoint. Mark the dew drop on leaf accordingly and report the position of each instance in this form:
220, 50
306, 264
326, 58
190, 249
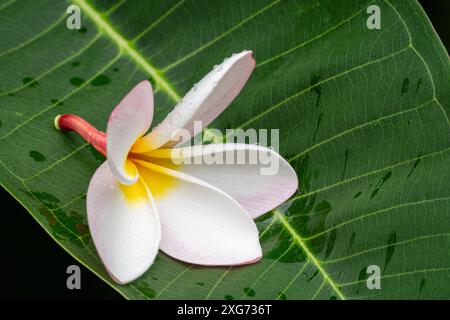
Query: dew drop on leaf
422, 284
100, 80
390, 248
56, 102
419, 84
362, 274
249, 292
352, 240
405, 86
414, 166
30, 82
282, 296
316, 88
48, 199
313, 276
76, 81
357, 195
374, 193
37, 156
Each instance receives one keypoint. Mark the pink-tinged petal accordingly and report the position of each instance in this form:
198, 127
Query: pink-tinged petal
130, 120
201, 224
258, 187
204, 102
124, 225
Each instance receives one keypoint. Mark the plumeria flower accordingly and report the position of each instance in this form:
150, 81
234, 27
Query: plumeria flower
140, 201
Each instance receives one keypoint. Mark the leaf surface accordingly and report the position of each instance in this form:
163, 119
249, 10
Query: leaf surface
363, 118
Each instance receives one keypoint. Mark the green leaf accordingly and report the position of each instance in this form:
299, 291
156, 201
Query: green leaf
363, 118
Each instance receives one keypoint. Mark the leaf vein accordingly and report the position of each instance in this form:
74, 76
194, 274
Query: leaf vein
306, 250
109, 63
56, 66
369, 173
394, 244
375, 213
211, 42
34, 38
125, 46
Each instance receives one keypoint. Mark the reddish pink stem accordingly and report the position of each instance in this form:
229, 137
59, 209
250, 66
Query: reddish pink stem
72, 122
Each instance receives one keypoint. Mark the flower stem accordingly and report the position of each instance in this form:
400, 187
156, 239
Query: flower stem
72, 122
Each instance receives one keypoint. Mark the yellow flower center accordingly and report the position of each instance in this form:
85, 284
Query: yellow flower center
151, 172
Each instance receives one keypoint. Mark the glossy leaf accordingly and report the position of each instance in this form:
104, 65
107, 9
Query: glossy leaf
363, 117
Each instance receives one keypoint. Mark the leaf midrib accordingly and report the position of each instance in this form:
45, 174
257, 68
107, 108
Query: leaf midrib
126, 47
278, 215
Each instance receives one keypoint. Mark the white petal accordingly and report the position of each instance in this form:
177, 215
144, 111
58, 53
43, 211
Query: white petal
202, 103
259, 186
130, 120
124, 225
201, 224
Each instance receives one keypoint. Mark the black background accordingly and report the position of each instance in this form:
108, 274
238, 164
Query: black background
33, 266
